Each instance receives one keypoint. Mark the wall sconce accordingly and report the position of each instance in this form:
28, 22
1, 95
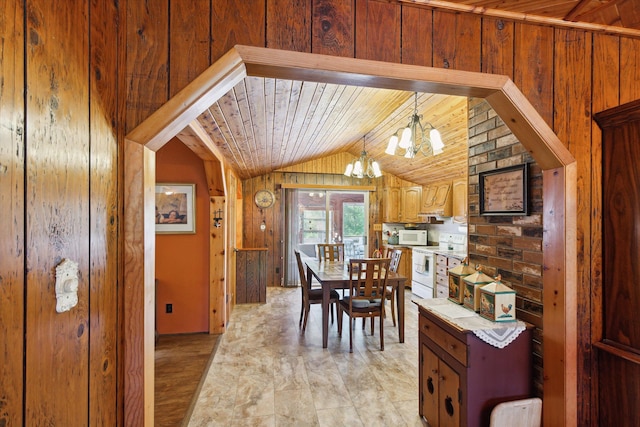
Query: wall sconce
263, 226
217, 218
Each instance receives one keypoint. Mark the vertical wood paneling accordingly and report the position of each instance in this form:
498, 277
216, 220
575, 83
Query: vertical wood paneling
147, 59
497, 46
189, 42
332, 27
629, 70
12, 209
217, 290
104, 112
377, 29
290, 30
417, 36
457, 41
57, 202
572, 123
138, 290
533, 72
236, 22
605, 94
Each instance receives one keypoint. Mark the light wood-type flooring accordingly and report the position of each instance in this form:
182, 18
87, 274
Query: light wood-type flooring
266, 373
180, 363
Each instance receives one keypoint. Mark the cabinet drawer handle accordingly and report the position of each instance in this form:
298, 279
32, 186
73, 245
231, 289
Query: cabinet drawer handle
448, 404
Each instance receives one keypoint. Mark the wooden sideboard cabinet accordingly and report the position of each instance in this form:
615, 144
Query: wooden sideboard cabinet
462, 378
251, 275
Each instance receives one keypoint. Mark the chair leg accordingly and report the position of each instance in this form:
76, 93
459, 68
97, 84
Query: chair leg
393, 307
381, 334
332, 307
372, 325
304, 324
351, 339
339, 308
301, 315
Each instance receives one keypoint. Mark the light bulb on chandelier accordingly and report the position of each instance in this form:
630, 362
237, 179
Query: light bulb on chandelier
363, 167
413, 138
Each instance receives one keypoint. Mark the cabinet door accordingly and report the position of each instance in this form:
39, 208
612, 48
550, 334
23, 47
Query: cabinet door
428, 198
449, 396
391, 204
460, 201
430, 386
411, 203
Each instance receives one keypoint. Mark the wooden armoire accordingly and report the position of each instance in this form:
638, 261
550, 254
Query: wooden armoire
618, 350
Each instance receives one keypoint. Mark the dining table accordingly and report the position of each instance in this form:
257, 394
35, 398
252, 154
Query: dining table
335, 275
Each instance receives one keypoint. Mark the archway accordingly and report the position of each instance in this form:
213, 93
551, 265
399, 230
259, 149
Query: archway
559, 198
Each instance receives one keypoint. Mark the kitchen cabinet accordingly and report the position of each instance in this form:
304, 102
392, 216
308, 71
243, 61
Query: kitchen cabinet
443, 264
401, 204
410, 201
460, 200
462, 378
437, 200
405, 266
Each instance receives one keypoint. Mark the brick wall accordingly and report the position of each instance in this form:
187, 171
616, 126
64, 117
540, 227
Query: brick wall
507, 245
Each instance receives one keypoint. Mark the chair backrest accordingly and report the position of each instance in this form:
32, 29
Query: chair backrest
331, 251
303, 278
368, 278
395, 260
524, 413
301, 272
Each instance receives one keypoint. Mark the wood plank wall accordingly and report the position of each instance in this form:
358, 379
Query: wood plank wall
75, 75
61, 113
566, 74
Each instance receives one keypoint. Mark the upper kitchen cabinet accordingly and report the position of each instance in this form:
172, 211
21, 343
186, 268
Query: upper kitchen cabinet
437, 200
411, 198
460, 208
401, 204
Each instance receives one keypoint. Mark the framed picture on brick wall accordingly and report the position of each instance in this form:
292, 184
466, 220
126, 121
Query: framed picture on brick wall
504, 191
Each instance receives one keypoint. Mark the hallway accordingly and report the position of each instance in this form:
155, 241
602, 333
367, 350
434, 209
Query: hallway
265, 373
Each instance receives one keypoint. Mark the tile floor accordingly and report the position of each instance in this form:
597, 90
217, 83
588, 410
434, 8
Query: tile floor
266, 373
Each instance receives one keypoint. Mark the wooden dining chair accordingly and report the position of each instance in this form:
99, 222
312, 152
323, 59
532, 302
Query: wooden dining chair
390, 290
312, 296
367, 284
331, 251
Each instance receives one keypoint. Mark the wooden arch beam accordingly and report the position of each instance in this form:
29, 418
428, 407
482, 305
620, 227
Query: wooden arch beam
559, 199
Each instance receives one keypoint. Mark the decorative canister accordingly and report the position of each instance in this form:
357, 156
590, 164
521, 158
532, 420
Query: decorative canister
456, 285
498, 302
472, 285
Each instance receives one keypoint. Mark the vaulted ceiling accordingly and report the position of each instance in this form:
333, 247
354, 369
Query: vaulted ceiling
266, 124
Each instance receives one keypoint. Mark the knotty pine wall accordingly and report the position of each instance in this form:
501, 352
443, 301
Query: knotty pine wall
566, 74
61, 114
80, 74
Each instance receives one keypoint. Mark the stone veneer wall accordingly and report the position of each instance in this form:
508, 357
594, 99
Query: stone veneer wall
507, 245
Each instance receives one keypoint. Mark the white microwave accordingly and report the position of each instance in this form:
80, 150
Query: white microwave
412, 237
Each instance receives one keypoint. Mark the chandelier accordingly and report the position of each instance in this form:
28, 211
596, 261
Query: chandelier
413, 138
365, 166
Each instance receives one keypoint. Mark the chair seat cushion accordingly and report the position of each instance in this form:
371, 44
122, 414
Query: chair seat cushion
363, 303
316, 294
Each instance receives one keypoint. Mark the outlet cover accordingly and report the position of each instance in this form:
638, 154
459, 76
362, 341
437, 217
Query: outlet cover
169, 308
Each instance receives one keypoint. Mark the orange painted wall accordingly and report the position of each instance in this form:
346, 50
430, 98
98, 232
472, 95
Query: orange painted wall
182, 260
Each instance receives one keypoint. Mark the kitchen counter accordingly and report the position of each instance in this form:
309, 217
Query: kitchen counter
455, 254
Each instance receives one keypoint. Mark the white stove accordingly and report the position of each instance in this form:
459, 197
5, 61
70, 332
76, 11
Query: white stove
424, 262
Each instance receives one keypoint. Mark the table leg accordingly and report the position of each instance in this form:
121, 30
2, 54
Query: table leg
400, 309
326, 292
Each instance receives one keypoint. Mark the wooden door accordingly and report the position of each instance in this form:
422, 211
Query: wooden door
449, 396
618, 358
428, 198
430, 386
411, 203
391, 204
